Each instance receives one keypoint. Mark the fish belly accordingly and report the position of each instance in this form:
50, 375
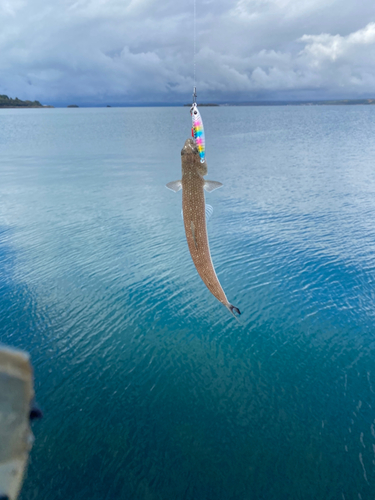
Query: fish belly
196, 235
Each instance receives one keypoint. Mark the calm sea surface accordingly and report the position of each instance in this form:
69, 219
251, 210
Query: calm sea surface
150, 389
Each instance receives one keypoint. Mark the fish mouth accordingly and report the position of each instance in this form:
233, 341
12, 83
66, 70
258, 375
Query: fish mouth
189, 147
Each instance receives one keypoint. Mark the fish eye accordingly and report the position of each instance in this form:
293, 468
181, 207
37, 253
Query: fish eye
195, 112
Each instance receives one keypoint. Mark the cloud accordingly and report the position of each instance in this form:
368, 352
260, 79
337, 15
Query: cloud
341, 65
347, 60
106, 51
332, 48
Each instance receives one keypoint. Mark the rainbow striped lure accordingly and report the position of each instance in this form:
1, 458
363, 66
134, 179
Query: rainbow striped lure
198, 131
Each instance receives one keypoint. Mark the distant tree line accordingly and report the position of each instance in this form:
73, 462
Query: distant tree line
6, 101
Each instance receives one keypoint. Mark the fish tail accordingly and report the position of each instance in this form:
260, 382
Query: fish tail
232, 308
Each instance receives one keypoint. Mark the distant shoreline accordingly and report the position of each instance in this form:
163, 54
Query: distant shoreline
338, 102
25, 107
332, 102
209, 104
9, 102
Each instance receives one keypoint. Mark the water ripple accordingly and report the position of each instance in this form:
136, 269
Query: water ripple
150, 389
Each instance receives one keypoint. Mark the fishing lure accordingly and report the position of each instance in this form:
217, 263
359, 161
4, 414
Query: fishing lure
197, 131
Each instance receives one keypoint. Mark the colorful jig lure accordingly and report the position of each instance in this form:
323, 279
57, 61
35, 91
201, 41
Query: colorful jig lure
198, 131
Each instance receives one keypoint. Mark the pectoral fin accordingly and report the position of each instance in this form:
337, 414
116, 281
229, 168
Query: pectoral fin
174, 186
210, 186
209, 211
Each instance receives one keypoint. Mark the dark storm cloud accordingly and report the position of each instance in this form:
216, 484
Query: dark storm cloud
99, 51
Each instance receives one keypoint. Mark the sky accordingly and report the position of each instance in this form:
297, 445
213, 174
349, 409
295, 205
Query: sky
142, 51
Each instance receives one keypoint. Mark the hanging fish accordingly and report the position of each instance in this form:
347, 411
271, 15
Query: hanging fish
195, 212
198, 132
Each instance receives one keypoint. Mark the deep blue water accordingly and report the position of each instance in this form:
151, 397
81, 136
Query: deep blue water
150, 389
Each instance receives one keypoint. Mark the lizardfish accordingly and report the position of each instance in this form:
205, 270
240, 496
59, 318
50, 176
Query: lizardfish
193, 185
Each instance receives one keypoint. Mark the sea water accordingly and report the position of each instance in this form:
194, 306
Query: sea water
150, 389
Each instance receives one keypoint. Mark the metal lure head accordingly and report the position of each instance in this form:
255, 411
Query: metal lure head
198, 132
194, 109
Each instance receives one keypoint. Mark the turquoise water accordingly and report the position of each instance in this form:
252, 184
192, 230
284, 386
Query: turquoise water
150, 389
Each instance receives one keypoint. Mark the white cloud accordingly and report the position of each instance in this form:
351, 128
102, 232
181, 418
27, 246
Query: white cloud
142, 50
341, 64
325, 46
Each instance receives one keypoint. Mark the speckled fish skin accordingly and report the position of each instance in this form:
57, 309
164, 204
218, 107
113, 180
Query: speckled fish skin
193, 206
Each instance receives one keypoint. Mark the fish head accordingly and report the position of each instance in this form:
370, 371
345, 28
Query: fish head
191, 160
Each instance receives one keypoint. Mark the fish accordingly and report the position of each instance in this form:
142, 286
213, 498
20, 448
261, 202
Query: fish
197, 131
194, 211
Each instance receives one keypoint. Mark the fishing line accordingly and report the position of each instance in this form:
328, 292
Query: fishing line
197, 130
195, 38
